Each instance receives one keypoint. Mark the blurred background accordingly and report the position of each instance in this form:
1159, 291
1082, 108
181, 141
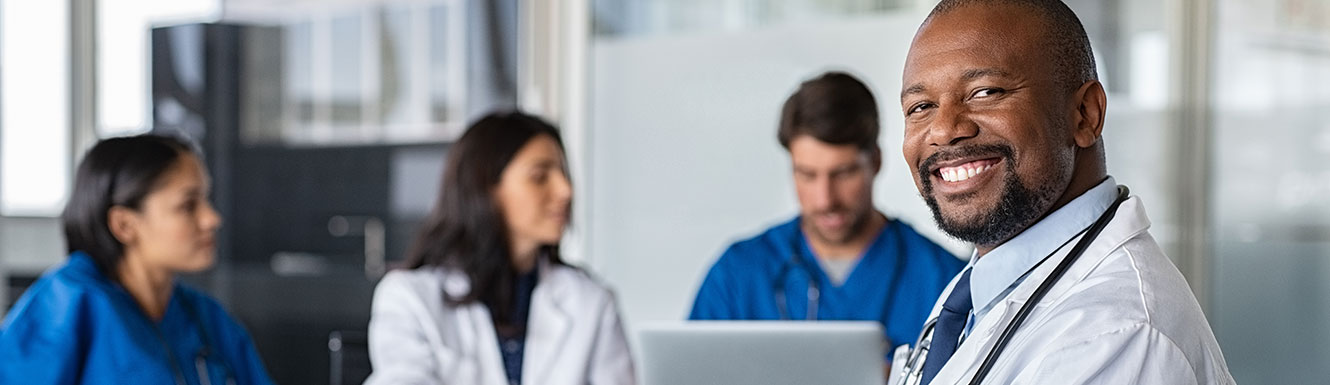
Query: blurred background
325, 124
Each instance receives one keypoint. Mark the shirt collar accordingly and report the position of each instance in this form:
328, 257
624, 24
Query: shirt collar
997, 272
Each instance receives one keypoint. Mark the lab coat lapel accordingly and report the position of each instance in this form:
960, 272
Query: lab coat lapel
1129, 223
549, 324
481, 338
486, 345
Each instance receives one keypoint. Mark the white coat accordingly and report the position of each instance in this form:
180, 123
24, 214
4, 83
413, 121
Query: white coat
574, 336
1122, 314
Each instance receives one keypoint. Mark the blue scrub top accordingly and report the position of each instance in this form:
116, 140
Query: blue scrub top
76, 326
895, 282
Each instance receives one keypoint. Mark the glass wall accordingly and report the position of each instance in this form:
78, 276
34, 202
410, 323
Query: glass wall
1271, 218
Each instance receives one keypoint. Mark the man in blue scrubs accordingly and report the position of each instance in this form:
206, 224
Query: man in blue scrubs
841, 258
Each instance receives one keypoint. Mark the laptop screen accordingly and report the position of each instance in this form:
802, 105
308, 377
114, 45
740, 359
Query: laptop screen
763, 352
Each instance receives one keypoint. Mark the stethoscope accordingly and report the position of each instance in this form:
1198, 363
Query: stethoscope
914, 365
201, 356
814, 291
797, 262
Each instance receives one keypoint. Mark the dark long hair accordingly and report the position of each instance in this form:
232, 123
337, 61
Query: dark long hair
115, 172
466, 231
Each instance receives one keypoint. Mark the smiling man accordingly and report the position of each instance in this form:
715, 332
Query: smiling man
840, 259
1003, 113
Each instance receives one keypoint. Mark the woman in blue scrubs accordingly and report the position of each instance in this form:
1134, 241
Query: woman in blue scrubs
114, 312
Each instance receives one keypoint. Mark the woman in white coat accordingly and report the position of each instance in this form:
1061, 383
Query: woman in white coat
486, 298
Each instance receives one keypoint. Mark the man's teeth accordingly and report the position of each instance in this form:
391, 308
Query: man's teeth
957, 174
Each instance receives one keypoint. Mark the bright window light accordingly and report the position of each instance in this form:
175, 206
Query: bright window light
34, 107
123, 85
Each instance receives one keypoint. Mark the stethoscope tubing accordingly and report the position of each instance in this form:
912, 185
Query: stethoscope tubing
814, 291
201, 357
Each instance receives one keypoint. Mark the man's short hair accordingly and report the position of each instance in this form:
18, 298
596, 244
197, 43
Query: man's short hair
835, 108
1065, 38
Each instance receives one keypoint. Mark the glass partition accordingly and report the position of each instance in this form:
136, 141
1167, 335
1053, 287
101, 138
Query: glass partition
1271, 218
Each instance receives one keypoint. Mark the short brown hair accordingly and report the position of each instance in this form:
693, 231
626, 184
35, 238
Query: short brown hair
834, 108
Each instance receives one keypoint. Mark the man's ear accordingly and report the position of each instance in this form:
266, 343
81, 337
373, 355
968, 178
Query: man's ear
123, 223
876, 159
1088, 121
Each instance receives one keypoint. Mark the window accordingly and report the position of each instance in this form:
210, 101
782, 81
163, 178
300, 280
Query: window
34, 107
122, 58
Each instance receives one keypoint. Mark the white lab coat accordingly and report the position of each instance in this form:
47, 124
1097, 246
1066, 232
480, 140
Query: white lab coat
573, 337
1122, 314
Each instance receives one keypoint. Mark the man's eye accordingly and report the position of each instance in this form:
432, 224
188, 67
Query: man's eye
918, 108
984, 92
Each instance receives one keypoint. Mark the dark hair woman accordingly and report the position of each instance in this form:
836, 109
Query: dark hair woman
114, 313
485, 298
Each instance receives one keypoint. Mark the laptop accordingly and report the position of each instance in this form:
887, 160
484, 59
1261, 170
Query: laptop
763, 352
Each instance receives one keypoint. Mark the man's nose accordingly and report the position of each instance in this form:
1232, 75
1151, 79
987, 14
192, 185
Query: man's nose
951, 124
824, 193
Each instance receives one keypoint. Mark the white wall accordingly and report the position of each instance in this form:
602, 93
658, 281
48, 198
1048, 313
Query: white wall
31, 244
684, 158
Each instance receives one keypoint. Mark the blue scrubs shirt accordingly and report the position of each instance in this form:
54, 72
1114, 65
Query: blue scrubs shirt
76, 326
896, 281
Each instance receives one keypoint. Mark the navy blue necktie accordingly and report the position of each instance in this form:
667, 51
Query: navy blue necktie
947, 331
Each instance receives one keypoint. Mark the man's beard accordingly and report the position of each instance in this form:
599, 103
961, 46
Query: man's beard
1017, 208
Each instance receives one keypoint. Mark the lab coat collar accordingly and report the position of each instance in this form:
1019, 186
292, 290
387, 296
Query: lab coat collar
457, 284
